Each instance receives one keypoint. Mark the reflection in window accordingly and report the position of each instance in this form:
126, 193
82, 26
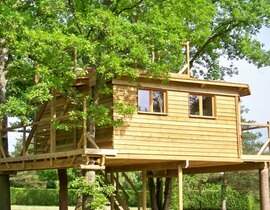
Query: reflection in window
151, 101
201, 105
207, 106
144, 100
194, 105
158, 101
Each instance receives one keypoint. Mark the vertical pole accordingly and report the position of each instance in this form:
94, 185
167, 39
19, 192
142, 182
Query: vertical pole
180, 187
238, 126
53, 130
188, 59
5, 192
144, 197
112, 198
24, 141
84, 125
264, 188
63, 189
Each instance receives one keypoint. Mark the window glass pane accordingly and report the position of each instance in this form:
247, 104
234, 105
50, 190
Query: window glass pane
144, 100
207, 106
194, 105
158, 101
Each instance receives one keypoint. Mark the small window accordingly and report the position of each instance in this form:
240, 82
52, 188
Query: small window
201, 105
151, 101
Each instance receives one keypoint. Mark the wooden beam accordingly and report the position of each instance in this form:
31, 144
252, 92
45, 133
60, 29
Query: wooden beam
43, 156
225, 168
52, 127
238, 126
84, 125
264, 147
149, 167
90, 139
91, 167
180, 187
210, 169
35, 126
100, 152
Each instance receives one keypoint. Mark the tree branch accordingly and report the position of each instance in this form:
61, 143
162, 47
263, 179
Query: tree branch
129, 8
71, 6
212, 39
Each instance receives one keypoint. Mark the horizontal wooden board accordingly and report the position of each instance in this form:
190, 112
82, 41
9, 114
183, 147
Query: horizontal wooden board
176, 133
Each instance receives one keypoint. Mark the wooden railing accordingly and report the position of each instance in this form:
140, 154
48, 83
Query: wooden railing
247, 126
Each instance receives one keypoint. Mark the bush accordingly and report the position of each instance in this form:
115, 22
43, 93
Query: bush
41, 197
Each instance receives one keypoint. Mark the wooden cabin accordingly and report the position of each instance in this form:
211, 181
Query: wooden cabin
180, 125
182, 119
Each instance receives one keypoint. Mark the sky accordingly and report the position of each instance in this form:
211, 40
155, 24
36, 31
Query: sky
258, 102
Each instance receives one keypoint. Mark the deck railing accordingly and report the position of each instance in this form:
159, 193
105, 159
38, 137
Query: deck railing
259, 142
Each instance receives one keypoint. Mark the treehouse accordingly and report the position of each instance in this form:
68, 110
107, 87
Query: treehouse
181, 125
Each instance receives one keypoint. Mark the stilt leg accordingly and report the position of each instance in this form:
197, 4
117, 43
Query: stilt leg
264, 188
180, 187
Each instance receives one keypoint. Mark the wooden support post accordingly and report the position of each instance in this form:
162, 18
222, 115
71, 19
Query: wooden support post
144, 195
264, 188
180, 187
52, 129
188, 59
238, 126
84, 126
24, 141
112, 197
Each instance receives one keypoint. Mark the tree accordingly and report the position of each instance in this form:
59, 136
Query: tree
58, 39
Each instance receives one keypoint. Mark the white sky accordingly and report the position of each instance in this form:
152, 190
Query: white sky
258, 102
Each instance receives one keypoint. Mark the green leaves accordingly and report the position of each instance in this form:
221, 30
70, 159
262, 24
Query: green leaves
96, 189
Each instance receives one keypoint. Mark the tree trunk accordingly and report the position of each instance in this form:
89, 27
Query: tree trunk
223, 191
152, 190
63, 189
4, 179
167, 194
160, 196
264, 188
159, 192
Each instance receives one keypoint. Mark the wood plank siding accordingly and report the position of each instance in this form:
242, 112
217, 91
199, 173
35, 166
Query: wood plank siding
176, 135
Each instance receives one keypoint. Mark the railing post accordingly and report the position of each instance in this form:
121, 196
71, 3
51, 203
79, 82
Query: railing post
84, 126
24, 141
188, 59
53, 129
238, 127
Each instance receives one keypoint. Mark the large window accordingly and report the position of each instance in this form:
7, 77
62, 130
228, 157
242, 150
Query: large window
152, 101
201, 105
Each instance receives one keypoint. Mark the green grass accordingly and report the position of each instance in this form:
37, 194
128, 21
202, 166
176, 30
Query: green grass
15, 207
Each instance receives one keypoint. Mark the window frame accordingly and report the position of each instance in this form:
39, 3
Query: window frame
151, 90
201, 115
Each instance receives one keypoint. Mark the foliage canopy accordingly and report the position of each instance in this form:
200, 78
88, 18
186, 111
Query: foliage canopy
58, 39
